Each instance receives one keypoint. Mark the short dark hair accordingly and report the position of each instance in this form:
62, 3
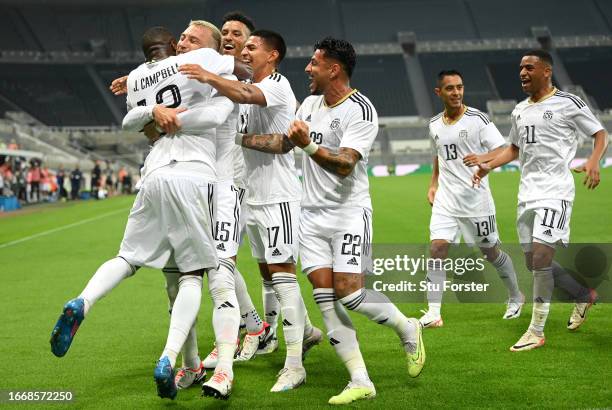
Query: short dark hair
241, 17
445, 73
154, 38
274, 41
541, 54
340, 50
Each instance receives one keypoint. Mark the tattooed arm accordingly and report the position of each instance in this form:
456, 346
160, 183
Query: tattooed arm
270, 143
340, 163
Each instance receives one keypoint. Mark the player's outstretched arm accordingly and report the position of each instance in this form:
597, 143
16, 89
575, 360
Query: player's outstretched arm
211, 115
119, 85
591, 167
269, 143
137, 118
506, 155
433, 185
472, 159
340, 163
236, 91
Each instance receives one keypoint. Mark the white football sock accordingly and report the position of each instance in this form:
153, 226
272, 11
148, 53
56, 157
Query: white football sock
191, 356
183, 316
342, 335
307, 326
435, 278
226, 314
271, 304
292, 307
507, 274
543, 284
376, 306
106, 278
251, 318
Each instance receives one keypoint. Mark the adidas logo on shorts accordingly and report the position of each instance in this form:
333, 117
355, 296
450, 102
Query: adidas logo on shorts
276, 252
221, 247
352, 261
547, 232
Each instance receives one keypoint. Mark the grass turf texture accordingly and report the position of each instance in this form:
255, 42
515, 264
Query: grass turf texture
110, 364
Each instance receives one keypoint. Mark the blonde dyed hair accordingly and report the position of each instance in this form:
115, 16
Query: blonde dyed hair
216, 33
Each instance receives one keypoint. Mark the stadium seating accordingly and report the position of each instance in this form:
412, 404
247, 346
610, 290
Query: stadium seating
64, 94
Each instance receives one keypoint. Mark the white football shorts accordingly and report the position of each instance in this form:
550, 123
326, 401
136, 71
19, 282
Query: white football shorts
228, 214
476, 231
171, 215
273, 232
337, 238
544, 221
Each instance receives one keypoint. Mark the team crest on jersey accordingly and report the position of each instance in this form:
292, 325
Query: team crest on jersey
548, 115
463, 134
335, 124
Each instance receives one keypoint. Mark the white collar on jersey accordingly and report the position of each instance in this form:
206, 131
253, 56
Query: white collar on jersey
546, 97
447, 121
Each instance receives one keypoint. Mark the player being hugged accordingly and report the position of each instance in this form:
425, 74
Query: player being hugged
458, 209
172, 214
336, 128
544, 137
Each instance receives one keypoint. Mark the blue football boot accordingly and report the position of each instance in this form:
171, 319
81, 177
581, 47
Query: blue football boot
67, 326
164, 378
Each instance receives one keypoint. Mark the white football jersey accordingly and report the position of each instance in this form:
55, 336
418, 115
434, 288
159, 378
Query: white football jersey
546, 134
226, 141
160, 82
272, 178
351, 123
471, 133
240, 179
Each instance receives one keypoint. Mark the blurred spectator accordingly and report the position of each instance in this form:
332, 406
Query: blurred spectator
75, 182
20, 182
45, 184
108, 174
126, 185
96, 176
60, 177
120, 176
34, 179
13, 145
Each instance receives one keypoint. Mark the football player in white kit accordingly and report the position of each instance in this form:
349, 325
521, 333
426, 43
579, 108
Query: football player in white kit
172, 214
458, 209
228, 199
231, 212
274, 191
544, 137
336, 128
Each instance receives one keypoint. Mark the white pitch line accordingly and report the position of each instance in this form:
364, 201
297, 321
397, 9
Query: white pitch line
61, 228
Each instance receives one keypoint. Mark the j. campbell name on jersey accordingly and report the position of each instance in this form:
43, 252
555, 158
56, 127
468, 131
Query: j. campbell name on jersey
154, 78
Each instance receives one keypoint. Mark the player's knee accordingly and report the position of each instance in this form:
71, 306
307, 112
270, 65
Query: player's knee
345, 284
171, 287
438, 249
490, 253
540, 260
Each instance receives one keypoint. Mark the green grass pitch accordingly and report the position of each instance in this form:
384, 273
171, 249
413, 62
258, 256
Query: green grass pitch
110, 364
